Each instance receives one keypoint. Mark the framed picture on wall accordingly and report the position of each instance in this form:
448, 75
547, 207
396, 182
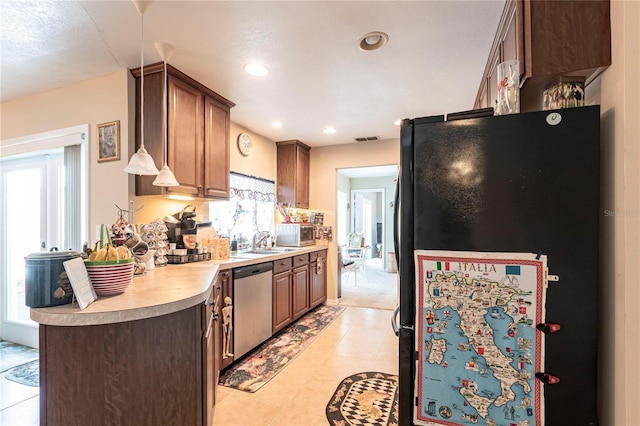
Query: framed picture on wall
109, 141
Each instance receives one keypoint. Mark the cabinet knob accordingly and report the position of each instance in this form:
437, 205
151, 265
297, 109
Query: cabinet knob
208, 188
199, 188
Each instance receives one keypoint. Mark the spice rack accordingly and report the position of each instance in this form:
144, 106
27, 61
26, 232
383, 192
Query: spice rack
188, 258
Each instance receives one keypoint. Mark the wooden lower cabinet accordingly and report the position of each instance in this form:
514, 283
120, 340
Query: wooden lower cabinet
300, 296
282, 313
318, 278
299, 284
226, 347
145, 372
212, 349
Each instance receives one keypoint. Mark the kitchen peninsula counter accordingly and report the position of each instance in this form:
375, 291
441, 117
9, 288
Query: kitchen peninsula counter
148, 356
160, 291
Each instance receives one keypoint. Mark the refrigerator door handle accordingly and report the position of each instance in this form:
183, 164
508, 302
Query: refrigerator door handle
396, 225
394, 322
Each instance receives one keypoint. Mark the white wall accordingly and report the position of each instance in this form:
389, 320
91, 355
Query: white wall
617, 90
325, 161
90, 102
110, 98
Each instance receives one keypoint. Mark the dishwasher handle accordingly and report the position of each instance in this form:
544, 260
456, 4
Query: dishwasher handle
247, 271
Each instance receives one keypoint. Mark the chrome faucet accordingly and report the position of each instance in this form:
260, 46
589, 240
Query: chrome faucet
258, 239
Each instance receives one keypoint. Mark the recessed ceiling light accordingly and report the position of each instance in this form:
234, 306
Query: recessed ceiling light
256, 69
277, 124
397, 122
329, 130
373, 40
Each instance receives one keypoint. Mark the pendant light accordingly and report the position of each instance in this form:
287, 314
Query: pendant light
166, 176
141, 162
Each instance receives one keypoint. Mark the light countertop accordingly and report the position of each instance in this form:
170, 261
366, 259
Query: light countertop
160, 291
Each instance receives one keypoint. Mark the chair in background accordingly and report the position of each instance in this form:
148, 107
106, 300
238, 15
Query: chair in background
347, 266
355, 258
357, 251
355, 240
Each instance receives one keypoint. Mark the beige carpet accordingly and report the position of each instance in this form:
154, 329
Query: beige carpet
375, 288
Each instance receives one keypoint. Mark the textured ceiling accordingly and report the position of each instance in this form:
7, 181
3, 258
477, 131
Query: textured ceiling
318, 76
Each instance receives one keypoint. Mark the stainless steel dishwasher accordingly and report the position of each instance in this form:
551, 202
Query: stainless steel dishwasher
252, 306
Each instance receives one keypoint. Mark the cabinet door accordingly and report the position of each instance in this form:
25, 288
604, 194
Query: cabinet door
186, 148
512, 37
300, 291
293, 173
482, 98
216, 149
211, 360
318, 281
225, 324
492, 81
281, 300
302, 178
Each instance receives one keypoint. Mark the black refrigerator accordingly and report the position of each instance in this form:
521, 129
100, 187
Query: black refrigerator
516, 184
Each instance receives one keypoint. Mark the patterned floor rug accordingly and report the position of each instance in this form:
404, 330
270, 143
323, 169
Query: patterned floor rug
12, 354
365, 399
25, 374
271, 357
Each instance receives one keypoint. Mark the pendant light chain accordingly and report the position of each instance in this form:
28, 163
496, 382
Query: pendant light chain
165, 128
165, 177
141, 163
141, 79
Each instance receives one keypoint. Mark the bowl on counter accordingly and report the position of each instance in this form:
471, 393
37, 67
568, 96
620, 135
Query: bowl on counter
110, 278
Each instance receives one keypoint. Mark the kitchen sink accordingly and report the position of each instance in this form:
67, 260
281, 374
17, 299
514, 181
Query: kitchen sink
239, 254
270, 251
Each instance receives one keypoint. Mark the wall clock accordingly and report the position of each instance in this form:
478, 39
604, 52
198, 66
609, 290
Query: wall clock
245, 145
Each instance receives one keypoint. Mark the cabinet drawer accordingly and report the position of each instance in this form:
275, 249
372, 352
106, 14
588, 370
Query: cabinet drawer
301, 259
316, 254
282, 265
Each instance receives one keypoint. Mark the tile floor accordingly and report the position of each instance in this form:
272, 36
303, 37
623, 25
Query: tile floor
19, 404
370, 287
360, 339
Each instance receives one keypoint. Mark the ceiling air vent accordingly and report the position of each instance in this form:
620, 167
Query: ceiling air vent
367, 139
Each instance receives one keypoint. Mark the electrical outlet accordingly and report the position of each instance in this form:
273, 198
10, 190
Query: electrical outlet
97, 234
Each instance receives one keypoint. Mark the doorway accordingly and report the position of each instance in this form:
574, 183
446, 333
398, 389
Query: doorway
44, 204
365, 214
368, 219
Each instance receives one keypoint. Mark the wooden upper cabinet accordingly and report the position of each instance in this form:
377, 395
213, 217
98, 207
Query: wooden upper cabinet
293, 173
511, 45
186, 148
550, 38
198, 133
507, 45
216, 147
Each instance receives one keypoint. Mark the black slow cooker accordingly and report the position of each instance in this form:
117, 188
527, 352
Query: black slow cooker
46, 281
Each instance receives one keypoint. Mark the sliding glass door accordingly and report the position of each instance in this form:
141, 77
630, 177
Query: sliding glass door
32, 199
